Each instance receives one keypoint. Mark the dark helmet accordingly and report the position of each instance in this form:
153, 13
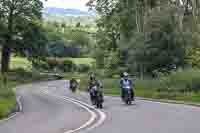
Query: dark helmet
92, 76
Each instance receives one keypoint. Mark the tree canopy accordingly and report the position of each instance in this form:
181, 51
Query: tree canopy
149, 35
16, 17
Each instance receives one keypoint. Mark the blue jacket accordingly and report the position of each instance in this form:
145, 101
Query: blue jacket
124, 82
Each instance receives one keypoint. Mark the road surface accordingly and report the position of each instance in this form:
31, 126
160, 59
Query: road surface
45, 110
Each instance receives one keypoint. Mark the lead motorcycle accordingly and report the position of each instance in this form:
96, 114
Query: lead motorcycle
128, 98
96, 97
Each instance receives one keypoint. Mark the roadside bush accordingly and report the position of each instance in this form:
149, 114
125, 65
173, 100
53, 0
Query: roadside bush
99, 56
52, 63
42, 65
7, 98
114, 72
83, 68
61, 63
98, 72
67, 65
5, 91
180, 83
6, 106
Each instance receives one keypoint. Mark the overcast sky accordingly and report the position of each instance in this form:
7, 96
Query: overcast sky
77, 4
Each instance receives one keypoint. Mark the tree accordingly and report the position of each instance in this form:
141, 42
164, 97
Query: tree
78, 25
36, 37
148, 34
15, 13
63, 25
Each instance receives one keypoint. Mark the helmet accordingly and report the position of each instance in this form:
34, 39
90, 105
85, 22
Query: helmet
125, 74
92, 76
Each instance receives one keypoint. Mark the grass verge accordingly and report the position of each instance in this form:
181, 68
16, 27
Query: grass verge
153, 88
14, 78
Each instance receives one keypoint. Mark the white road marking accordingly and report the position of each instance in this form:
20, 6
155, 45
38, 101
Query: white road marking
16, 113
86, 107
102, 114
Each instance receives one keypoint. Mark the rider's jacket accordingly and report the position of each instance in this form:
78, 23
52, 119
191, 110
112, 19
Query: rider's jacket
125, 83
73, 82
93, 83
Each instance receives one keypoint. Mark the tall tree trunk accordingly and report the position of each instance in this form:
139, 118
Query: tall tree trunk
6, 49
136, 17
6, 52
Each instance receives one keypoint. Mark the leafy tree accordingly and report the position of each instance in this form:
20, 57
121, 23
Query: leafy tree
15, 13
148, 34
63, 25
34, 42
78, 25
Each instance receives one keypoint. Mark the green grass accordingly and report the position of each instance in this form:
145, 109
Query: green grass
19, 62
87, 61
6, 105
21, 74
76, 75
144, 88
16, 77
151, 88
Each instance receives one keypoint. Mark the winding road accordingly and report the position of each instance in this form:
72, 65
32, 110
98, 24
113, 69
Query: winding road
48, 107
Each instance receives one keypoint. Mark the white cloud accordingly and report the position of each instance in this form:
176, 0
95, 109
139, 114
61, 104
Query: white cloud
77, 4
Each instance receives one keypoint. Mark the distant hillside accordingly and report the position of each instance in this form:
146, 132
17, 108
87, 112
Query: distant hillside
66, 12
69, 16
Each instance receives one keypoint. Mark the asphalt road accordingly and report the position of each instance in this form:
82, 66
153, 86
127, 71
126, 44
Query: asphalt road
44, 113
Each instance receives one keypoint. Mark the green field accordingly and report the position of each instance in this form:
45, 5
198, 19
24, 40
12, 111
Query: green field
19, 62
87, 61
6, 105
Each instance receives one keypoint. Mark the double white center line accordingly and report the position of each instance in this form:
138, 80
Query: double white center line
92, 122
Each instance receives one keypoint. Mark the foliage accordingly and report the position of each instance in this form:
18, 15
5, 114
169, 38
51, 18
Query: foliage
7, 97
182, 85
83, 68
112, 64
87, 61
59, 48
67, 65
70, 64
14, 78
99, 56
17, 16
149, 35
164, 48
67, 41
86, 21
62, 64
20, 62
6, 106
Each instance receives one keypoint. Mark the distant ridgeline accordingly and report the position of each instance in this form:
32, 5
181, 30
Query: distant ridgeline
70, 16
67, 12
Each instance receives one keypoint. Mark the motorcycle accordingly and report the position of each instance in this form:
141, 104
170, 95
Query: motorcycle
73, 85
128, 97
96, 97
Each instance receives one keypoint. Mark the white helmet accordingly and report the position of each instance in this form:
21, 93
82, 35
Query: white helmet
125, 74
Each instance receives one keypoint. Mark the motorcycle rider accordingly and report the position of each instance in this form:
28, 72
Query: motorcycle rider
73, 84
94, 82
125, 81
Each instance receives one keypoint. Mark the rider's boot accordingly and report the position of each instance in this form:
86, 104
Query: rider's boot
133, 95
